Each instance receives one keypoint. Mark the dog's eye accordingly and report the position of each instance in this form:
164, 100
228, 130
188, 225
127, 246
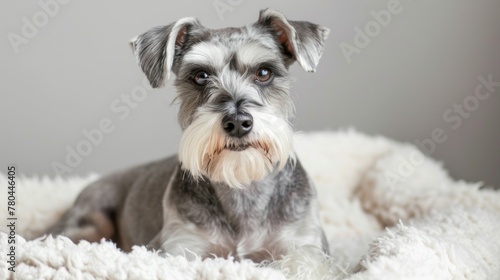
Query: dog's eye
201, 78
263, 75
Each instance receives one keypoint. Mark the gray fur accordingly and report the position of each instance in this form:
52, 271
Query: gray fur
150, 49
164, 206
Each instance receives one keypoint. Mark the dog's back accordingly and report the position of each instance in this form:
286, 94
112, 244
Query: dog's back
98, 210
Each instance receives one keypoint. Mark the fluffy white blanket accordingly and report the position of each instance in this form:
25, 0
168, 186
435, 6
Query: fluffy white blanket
388, 211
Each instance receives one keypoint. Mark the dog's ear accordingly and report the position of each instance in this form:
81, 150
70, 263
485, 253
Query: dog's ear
301, 40
156, 48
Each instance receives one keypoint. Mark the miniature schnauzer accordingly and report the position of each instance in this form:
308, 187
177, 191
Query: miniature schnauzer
236, 187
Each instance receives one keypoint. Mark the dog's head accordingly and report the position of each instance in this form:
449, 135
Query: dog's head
233, 87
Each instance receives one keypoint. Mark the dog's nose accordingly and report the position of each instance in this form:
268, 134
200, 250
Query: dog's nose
237, 125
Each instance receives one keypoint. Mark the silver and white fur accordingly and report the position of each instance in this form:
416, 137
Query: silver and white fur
236, 187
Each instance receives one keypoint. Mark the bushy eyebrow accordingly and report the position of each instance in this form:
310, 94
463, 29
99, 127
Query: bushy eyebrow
202, 56
188, 69
254, 55
246, 59
275, 65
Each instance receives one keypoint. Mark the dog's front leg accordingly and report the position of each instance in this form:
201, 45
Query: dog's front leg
178, 238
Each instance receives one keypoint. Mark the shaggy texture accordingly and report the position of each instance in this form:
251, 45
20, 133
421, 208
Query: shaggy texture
388, 211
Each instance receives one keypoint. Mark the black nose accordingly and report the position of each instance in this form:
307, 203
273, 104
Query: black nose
237, 125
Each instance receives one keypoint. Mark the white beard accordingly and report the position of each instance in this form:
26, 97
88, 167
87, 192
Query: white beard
204, 149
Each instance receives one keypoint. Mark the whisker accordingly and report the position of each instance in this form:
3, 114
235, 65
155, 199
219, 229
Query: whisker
269, 159
208, 165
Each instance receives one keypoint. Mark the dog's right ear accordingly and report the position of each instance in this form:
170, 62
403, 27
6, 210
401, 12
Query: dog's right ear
155, 49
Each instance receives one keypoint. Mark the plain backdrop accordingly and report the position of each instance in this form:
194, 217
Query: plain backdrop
71, 73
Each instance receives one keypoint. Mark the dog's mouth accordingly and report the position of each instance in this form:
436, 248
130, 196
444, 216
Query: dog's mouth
261, 145
236, 148
239, 147
242, 146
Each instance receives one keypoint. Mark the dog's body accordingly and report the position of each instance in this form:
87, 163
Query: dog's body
236, 188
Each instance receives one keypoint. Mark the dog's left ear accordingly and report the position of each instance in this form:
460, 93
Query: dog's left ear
156, 48
301, 40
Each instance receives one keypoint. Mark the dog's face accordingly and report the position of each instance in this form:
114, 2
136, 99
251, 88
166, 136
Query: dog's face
233, 87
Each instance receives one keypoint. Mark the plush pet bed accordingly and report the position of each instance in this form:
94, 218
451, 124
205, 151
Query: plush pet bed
388, 211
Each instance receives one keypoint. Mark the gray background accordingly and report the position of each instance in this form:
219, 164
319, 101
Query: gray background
428, 58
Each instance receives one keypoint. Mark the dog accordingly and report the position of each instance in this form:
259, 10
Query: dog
236, 188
